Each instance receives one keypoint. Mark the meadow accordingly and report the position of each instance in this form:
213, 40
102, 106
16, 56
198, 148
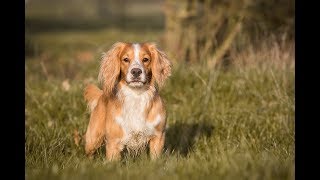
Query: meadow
222, 123
234, 122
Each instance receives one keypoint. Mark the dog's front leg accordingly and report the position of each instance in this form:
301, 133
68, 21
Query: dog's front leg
95, 132
156, 145
113, 149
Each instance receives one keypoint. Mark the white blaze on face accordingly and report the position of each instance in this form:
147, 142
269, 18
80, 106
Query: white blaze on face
136, 51
136, 64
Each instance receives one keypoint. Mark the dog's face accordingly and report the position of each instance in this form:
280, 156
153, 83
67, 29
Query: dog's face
136, 65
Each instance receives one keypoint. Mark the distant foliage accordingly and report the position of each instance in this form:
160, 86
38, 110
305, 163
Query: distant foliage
198, 30
30, 47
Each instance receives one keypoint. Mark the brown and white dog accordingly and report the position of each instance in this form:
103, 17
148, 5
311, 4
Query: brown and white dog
128, 112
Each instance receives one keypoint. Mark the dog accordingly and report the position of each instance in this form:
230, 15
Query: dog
128, 112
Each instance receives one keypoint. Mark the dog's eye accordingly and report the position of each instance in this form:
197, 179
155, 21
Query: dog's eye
145, 60
126, 60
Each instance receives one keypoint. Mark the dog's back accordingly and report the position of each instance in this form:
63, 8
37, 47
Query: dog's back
92, 94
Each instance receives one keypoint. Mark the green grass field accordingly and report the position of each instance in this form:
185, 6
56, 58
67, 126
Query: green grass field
234, 123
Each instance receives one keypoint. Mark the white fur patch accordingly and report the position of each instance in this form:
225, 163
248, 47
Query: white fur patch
137, 131
136, 51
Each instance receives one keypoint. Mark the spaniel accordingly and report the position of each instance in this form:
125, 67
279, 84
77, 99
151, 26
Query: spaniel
128, 112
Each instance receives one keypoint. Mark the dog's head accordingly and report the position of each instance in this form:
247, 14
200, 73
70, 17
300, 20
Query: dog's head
135, 64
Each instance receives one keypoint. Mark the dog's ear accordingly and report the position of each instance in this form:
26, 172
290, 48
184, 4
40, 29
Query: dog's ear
110, 67
161, 65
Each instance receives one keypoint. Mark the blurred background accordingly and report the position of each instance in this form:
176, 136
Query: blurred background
190, 30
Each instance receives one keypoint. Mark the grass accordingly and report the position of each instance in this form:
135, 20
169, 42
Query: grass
223, 123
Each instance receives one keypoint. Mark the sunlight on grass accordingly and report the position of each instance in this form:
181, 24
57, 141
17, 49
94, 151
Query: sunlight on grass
235, 123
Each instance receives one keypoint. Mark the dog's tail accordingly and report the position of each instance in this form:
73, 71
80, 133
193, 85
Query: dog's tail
92, 94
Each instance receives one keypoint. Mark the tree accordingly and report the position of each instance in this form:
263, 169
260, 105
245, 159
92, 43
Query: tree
198, 30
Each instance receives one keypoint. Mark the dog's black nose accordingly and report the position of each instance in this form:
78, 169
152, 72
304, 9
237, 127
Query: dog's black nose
136, 72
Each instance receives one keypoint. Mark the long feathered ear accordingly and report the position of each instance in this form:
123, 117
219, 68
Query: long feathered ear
161, 65
110, 68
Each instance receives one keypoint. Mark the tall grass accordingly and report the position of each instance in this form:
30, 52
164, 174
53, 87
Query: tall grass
223, 123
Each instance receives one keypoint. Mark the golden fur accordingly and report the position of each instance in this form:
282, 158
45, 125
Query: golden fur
119, 111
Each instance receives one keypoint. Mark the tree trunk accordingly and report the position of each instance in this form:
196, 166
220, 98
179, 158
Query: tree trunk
202, 30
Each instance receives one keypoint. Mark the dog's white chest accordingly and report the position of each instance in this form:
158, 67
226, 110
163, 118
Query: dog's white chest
137, 131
